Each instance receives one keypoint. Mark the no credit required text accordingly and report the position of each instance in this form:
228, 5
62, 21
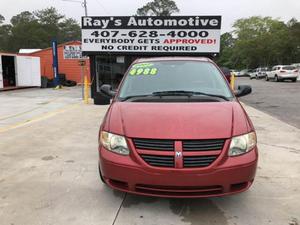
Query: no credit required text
151, 34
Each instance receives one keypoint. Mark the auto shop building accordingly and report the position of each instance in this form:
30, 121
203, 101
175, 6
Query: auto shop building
69, 54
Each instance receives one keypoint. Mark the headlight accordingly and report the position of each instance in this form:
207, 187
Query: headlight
114, 143
241, 144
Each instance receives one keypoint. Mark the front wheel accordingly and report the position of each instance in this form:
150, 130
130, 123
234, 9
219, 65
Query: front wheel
294, 80
100, 174
267, 78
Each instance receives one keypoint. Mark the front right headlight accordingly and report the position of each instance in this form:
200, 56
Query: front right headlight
114, 143
241, 144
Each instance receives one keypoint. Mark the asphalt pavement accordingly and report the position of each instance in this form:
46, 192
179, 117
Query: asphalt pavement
279, 99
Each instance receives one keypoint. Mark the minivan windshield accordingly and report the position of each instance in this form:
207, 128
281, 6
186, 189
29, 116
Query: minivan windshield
176, 77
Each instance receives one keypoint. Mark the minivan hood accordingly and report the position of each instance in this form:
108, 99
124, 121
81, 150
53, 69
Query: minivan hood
211, 120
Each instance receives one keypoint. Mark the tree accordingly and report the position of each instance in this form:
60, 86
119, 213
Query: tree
158, 8
5, 31
294, 35
37, 29
71, 30
226, 51
1, 19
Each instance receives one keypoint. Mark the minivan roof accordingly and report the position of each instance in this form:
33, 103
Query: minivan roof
174, 58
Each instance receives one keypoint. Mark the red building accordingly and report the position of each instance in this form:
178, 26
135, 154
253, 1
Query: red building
69, 54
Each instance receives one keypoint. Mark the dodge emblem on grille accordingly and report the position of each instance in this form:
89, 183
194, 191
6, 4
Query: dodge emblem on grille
178, 154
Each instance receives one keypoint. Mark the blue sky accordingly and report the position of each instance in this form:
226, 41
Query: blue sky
230, 10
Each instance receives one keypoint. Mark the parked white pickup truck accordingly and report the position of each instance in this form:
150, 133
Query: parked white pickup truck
283, 72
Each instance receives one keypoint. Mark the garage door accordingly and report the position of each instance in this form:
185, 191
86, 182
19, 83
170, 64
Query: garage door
28, 71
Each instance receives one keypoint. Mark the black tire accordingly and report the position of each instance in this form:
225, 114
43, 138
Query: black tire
294, 80
69, 83
267, 78
100, 174
276, 79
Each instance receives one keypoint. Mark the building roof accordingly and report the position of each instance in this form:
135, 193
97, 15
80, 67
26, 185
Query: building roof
28, 51
8, 53
60, 45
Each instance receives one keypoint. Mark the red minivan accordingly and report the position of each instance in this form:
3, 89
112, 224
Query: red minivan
176, 129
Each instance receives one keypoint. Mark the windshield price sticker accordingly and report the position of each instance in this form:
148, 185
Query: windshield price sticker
143, 71
193, 34
142, 65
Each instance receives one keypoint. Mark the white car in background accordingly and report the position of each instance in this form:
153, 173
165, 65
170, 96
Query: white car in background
251, 73
243, 73
235, 72
259, 73
297, 65
283, 72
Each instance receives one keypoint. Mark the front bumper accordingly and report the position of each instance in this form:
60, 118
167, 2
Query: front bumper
229, 175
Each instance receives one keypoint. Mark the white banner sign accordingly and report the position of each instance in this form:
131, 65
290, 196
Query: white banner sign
184, 34
72, 52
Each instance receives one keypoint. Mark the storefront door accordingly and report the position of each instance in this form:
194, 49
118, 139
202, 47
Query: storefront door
110, 69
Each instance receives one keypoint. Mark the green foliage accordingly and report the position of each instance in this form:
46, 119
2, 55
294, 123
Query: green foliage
260, 41
5, 30
37, 29
158, 8
1, 19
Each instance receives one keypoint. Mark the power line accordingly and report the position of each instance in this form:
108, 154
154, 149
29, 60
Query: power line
83, 4
104, 9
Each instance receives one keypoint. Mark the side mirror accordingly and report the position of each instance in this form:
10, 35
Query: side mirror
243, 90
107, 90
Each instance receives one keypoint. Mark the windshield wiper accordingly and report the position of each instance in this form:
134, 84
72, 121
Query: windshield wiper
135, 96
187, 93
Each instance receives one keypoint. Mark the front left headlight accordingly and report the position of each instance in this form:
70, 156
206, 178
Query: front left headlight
114, 143
241, 144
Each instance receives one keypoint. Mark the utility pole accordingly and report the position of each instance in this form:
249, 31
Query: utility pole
84, 4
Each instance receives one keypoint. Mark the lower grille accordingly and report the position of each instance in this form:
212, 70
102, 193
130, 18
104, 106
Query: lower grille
198, 161
158, 160
179, 191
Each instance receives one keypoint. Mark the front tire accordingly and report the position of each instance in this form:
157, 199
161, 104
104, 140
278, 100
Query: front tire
267, 78
294, 80
100, 174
